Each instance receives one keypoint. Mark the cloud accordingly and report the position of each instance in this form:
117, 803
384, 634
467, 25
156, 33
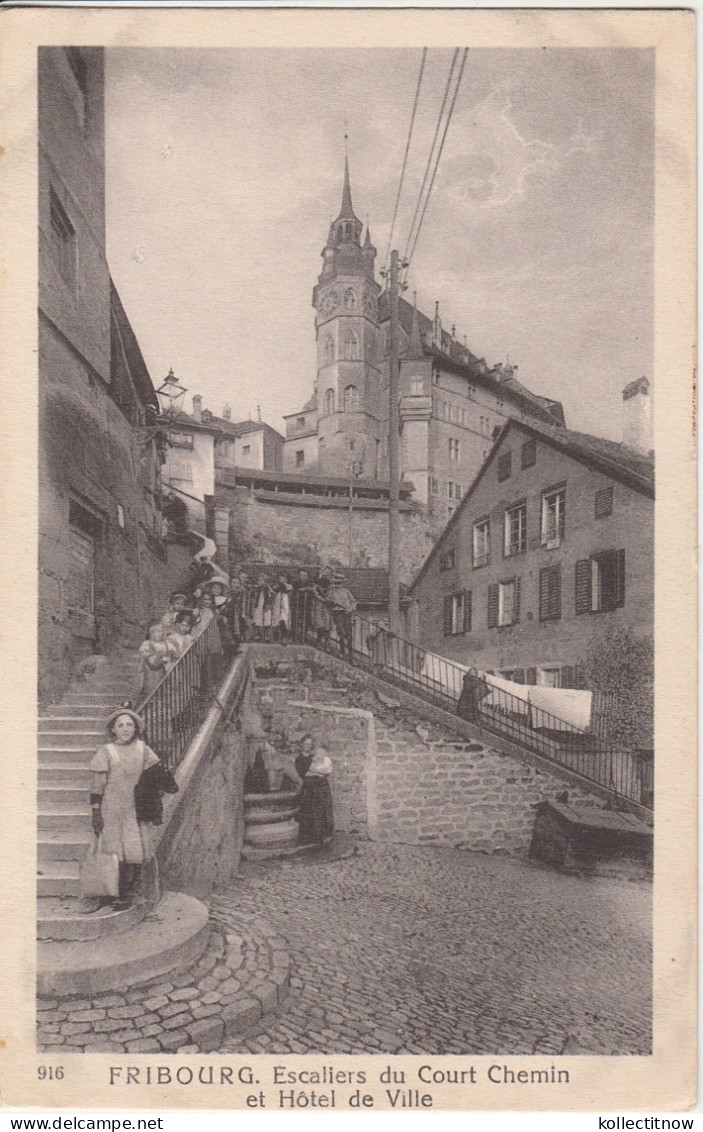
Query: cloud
497, 163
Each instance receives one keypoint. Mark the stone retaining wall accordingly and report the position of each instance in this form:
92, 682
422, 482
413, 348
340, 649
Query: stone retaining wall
200, 842
399, 774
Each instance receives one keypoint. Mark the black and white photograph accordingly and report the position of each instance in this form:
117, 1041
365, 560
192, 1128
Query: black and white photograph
348, 386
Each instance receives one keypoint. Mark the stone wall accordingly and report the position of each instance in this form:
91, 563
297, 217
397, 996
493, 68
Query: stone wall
201, 839
314, 530
400, 775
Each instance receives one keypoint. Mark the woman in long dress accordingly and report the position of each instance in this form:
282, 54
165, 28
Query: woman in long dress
315, 812
116, 769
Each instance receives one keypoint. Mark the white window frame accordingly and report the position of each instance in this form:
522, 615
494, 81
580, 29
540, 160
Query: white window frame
510, 548
553, 525
458, 604
481, 550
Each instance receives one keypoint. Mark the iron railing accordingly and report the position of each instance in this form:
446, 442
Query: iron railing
180, 701
626, 774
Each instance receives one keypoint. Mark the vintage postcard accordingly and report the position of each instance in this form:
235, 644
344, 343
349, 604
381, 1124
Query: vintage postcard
349, 464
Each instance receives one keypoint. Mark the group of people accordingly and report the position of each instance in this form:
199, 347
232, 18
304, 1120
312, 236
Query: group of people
171, 635
274, 608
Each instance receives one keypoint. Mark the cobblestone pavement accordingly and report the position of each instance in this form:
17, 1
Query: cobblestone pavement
406, 949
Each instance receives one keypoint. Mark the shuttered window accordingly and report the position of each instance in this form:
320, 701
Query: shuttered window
550, 593
600, 582
504, 603
568, 677
604, 502
504, 466
531, 676
528, 456
447, 616
457, 613
467, 611
493, 605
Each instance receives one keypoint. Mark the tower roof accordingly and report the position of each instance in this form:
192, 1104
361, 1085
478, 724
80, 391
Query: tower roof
347, 211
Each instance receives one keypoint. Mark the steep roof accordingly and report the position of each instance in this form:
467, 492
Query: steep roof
241, 428
186, 421
614, 459
459, 359
135, 361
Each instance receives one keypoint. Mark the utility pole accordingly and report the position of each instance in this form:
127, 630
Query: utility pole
393, 454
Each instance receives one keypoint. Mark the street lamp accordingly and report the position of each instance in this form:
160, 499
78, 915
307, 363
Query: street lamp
170, 396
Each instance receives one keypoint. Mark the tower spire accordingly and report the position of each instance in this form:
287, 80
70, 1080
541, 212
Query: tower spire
347, 211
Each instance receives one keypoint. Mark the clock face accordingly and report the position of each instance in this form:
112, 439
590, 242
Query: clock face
370, 304
329, 304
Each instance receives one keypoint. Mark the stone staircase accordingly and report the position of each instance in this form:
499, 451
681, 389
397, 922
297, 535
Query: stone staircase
68, 735
270, 828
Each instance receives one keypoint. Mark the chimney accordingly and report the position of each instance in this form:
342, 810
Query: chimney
227, 413
198, 407
637, 415
437, 327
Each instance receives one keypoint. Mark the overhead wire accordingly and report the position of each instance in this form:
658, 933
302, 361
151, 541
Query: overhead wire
408, 257
432, 147
405, 159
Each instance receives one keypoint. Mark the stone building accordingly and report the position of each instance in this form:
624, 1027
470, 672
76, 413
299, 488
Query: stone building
102, 564
452, 403
317, 519
551, 548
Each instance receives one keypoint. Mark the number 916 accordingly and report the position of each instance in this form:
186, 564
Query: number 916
50, 1072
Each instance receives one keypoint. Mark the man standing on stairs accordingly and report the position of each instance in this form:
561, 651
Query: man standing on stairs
117, 768
343, 605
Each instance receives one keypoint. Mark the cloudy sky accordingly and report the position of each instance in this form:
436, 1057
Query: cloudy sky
224, 168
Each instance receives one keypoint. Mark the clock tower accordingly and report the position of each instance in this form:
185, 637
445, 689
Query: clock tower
346, 305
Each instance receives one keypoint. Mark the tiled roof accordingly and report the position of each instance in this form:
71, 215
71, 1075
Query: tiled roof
241, 428
622, 461
461, 360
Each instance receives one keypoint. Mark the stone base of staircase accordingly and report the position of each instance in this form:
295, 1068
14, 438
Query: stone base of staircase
172, 935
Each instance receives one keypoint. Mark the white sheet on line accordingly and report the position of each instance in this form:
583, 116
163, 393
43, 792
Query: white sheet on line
571, 705
519, 691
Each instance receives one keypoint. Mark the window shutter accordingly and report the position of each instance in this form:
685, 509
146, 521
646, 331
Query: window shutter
531, 676
448, 615
467, 611
583, 585
567, 677
529, 453
579, 677
620, 586
516, 611
550, 593
504, 466
493, 605
604, 502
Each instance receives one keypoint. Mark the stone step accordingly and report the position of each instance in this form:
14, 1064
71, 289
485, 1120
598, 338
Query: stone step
68, 918
58, 878
69, 723
97, 711
86, 696
53, 798
273, 798
57, 845
256, 817
71, 740
75, 775
271, 834
52, 756
174, 934
68, 821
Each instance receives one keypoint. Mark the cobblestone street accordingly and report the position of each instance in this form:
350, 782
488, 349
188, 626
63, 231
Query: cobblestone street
403, 949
